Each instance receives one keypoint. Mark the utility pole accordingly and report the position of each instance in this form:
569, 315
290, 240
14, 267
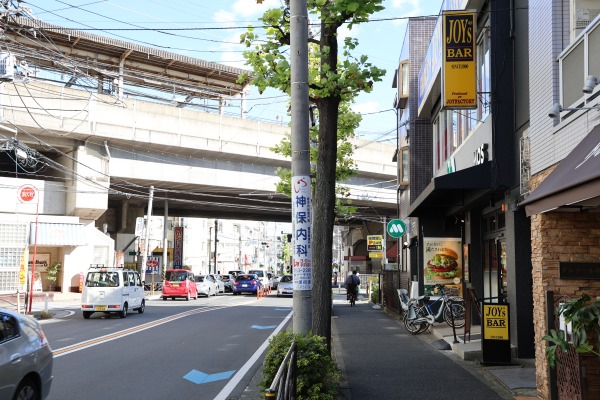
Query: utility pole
209, 248
240, 247
216, 242
147, 237
165, 241
301, 182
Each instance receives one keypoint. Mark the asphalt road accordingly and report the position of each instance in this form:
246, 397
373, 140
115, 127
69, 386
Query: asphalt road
202, 349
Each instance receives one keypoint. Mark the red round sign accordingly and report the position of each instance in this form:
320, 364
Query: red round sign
27, 194
152, 263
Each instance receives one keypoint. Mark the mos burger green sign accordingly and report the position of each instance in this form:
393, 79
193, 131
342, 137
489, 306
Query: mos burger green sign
396, 228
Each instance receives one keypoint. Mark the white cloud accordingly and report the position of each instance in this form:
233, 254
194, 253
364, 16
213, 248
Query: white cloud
366, 107
249, 8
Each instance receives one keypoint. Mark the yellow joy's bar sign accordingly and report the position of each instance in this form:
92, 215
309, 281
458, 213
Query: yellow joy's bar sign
459, 72
495, 322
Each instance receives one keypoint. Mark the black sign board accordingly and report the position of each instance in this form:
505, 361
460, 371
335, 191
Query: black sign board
579, 270
495, 334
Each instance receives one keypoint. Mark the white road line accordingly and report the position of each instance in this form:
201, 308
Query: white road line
226, 391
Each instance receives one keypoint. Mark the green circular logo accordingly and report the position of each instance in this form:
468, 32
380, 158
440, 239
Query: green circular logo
396, 228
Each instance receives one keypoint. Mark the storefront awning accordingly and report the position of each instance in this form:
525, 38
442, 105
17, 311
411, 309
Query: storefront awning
50, 234
453, 190
575, 183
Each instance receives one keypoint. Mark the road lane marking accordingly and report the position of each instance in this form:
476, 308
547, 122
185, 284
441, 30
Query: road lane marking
226, 391
199, 377
126, 332
263, 327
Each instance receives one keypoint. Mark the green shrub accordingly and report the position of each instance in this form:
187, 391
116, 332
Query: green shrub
375, 294
318, 374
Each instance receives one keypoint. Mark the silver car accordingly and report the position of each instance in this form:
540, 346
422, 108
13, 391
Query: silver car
285, 287
25, 358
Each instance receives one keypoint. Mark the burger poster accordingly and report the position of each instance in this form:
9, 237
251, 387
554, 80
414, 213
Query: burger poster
442, 264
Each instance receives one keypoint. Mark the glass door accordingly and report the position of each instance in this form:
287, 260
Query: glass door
495, 277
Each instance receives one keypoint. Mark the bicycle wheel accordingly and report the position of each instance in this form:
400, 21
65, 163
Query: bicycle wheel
456, 312
412, 326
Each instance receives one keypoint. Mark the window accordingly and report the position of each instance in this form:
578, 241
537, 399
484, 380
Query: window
404, 167
483, 77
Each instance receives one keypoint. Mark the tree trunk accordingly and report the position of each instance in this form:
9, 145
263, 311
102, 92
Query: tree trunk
324, 200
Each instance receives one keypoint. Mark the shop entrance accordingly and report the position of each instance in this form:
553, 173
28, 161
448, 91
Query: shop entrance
495, 277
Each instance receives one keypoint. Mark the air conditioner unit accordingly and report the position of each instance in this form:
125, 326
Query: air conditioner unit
7, 67
584, 16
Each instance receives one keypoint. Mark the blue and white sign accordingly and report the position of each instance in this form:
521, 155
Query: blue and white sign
301, 236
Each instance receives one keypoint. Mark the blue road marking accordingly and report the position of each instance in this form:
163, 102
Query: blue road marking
263, 327
199, 377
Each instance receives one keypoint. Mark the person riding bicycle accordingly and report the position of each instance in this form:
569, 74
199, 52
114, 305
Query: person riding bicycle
352, 284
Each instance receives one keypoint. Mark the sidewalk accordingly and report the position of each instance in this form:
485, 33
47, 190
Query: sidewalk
379, 359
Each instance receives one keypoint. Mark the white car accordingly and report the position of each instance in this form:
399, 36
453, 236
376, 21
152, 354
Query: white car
206, 285
220, 285
25, 358
112, 290
285, 287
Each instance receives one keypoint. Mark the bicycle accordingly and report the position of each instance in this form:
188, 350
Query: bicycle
450, 309
351, 296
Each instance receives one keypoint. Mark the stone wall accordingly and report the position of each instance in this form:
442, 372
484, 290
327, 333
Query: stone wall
556, 237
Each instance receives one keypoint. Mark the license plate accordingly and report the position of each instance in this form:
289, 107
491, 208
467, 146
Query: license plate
175, 285
100, 308
244, 285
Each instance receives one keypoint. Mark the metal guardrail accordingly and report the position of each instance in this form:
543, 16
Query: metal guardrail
283, 386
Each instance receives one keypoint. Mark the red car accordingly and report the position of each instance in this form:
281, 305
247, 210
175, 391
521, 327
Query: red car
179, 283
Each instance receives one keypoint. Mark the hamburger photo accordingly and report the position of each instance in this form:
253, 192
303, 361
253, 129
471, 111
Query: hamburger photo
443, 265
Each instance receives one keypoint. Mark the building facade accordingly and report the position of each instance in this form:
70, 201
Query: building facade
463, 150
563, 194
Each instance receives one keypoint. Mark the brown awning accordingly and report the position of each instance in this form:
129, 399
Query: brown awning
574, 183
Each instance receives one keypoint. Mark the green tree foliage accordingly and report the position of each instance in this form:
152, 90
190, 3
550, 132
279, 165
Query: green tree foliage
336, 78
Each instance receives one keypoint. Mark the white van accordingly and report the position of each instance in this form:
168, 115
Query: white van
112, 290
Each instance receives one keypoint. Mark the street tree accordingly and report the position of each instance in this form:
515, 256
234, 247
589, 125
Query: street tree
335, 80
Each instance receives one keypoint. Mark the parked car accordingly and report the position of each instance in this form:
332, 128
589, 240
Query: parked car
228, 280
25, 358
219, 284
179, 283
246, 283
285, 286
112, 290
274, 279
205, 284
235, 272
262, 275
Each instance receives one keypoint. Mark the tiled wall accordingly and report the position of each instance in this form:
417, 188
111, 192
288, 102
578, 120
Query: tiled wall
420, 30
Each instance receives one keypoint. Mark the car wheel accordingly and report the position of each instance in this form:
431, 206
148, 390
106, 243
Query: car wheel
142, 307
123, 312
27, 390
87, 314
187, 298
164, 298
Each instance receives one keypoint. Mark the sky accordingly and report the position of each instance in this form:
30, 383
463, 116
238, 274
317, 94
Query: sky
380, 40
